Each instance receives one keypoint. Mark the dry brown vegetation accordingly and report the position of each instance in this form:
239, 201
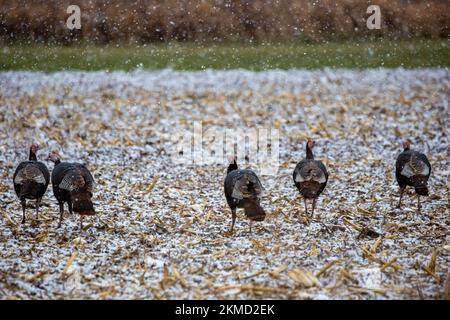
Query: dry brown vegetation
160, 231
148, 21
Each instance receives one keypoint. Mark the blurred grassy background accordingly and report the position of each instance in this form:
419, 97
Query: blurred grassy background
193, 56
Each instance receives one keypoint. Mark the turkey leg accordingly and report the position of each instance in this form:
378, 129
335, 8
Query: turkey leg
399, 206
61, 214
313, 207
233, 219
38, 202
24, 205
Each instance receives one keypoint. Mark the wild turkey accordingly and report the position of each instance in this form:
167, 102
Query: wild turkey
74, 184
412, 168
31, 180
243, 190
310, 177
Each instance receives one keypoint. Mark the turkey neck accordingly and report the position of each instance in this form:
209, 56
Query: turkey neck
309, 154
233, 166
32, 155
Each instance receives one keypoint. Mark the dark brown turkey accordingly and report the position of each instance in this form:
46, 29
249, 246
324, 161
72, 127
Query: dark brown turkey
310, 177
74, 184
31, 180
413, 169
243, 190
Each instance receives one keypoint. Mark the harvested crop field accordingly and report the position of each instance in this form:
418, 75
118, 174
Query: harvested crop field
161, 226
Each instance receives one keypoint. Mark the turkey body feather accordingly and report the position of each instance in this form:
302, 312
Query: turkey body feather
412, 168
243, 189
31, 179
310, 177
74, 184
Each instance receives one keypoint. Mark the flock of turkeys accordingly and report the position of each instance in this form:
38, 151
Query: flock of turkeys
73, 183
243, 188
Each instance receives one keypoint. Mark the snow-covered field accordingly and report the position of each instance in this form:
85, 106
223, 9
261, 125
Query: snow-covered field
160, 231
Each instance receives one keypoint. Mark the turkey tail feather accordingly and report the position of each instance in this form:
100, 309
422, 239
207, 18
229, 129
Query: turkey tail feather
421, 190
82, 204
26, 189
254, 211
